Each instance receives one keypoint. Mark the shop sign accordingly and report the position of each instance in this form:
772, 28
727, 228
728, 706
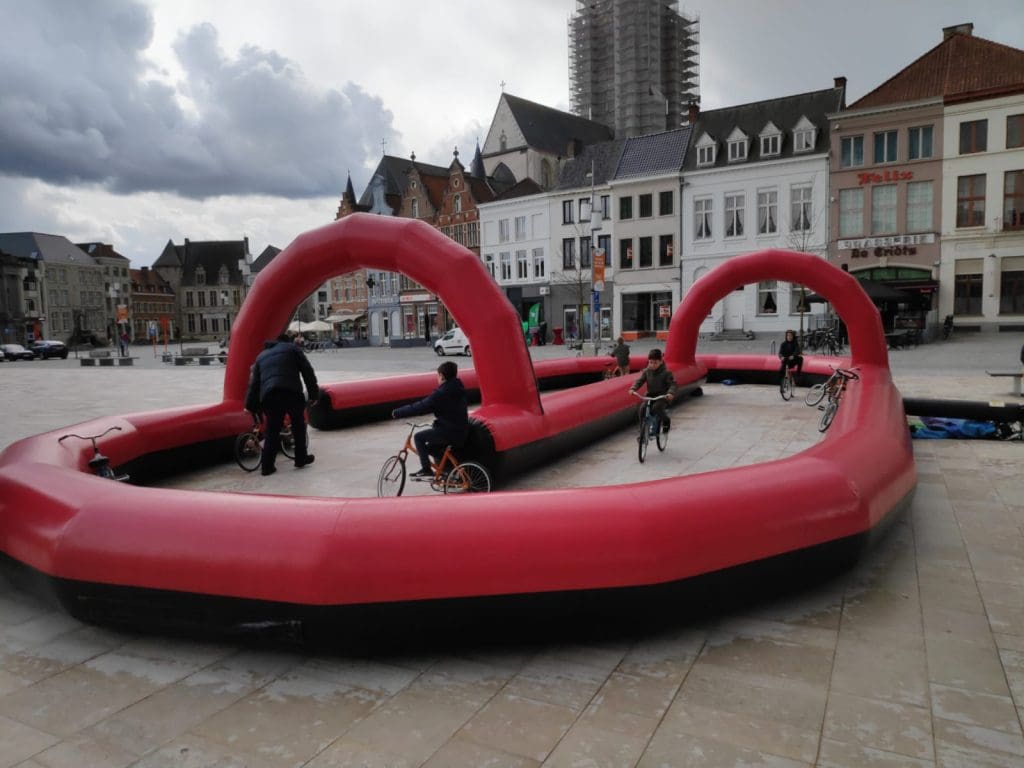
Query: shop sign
414, 297
881, 178
894, 245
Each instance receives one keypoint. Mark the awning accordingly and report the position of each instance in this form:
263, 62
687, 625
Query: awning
343, 317
875, 291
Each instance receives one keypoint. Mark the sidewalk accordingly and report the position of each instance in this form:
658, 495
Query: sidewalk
915, 657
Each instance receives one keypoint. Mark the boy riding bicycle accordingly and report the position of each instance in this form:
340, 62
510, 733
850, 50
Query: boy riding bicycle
659, 381
789, 354
450, 407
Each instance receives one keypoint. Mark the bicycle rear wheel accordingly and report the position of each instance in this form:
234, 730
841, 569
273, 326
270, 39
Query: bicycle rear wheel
467, 477
391, 480
815, 395
828, 415
248, 450
786, 387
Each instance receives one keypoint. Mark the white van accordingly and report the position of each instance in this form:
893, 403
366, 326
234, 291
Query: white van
453, 343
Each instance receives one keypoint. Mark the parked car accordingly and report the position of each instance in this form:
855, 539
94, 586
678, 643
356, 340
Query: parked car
47, 348
2, 356
17, 352
454, 342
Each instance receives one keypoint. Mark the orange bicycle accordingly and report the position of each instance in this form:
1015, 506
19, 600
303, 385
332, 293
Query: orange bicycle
450, 475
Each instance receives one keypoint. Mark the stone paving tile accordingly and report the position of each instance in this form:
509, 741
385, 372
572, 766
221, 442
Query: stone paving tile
962, 664
973, 708
520, 726
587, 745
290, 720
839, 754
958, 744
554, 680
676, 749
83, 751
459, 752
20, 741
882, 725
870, 669
192, 751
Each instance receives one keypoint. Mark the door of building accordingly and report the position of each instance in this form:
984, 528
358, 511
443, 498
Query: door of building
732, 312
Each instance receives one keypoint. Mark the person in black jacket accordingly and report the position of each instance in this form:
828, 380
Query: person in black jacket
451, 411
789, 354
276, 389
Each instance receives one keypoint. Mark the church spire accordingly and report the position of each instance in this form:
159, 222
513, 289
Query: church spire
476, 168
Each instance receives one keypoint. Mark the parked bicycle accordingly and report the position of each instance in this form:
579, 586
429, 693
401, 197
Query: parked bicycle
99, 463
249, 444
819, 392
842, 377
450, 474
650, 426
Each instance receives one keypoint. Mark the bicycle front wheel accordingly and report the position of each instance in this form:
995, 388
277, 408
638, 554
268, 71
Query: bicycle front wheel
786, 387
248, 450
815, 395
391, 480
467, 477
288, 441
662, 438
828, 415
642, 441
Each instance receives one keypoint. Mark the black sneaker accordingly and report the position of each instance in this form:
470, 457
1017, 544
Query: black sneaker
309, 460
268, 471
664, 427
421, 474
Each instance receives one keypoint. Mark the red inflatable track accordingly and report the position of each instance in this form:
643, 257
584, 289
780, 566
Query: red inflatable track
66, 523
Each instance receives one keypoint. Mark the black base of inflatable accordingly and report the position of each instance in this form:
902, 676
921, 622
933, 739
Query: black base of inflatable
447, 623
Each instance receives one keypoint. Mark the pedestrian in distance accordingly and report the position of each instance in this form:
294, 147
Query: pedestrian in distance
659, 381
275, 388
450, 407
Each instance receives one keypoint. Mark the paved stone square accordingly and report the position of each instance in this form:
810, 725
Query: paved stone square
913, 657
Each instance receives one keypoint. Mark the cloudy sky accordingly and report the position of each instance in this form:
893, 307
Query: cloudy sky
138, 121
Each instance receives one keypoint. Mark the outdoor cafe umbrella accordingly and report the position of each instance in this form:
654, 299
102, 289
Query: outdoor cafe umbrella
315, 326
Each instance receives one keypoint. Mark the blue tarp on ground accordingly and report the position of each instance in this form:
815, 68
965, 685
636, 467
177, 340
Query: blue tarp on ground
938, 428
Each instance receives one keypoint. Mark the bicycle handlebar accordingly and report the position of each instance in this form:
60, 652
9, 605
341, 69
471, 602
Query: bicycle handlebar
634, 393
94, 438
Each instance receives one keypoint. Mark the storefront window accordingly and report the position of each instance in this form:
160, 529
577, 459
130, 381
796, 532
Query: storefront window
967, 295
1011, 292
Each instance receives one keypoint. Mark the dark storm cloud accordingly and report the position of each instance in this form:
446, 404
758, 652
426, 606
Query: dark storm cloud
79, 105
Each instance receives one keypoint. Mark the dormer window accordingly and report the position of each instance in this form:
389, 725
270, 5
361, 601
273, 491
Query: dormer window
705, 151
200, 276
804, 136
771, 141
738, 143
222, 275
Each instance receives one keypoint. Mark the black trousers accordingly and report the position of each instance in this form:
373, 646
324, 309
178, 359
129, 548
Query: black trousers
430, 443
792, 360
276, 405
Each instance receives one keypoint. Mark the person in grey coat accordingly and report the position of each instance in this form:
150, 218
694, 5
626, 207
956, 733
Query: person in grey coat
659, 381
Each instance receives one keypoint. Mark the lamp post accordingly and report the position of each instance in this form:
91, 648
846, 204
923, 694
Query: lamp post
596, 254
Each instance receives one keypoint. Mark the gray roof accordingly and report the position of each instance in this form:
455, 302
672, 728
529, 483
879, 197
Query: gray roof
784, 113
53, 249
210, 255
264, 258
654, 154
395, 177
551, 130
104, 250
603, 157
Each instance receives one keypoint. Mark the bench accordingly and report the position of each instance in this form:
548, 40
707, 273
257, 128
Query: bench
203, 359
1015, 375
106, 360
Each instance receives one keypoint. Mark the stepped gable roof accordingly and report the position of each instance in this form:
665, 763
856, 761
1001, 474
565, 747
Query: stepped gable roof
960, 68
53, 249
147, 279
784, 113
393, 169
101, 249
551, 130
603, 157
264, 258
520, 189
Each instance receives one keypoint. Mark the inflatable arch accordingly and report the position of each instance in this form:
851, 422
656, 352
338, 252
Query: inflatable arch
65, 523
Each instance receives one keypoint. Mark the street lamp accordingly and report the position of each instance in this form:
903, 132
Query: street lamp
597, 257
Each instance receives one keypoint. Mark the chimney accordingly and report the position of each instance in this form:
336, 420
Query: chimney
957, 29
693, 112
145, 269
840, 82
575, 145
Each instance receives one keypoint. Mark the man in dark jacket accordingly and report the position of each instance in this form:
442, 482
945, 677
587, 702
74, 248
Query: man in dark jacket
659, 381
276, 389
451, 411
